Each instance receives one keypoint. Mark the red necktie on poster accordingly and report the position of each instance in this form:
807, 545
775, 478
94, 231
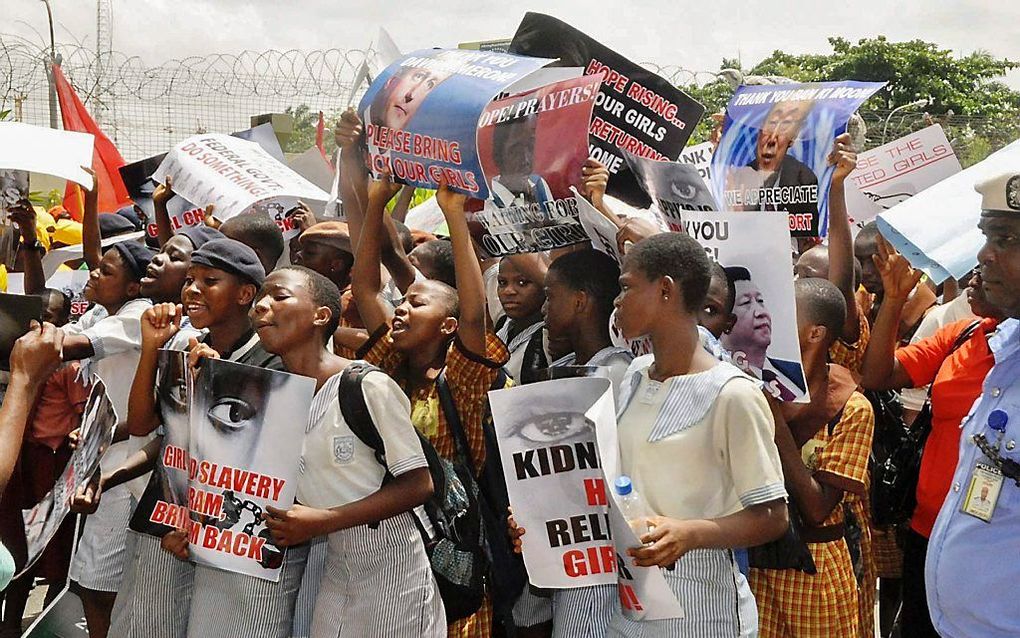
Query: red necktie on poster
320, 141
106, 159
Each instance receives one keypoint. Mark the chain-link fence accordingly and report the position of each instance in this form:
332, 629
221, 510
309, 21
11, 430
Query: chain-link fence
145, 110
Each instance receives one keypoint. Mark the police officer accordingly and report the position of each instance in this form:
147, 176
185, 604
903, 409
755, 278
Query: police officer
973, 561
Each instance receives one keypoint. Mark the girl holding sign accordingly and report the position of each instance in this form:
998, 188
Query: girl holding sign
378, 581
696, 438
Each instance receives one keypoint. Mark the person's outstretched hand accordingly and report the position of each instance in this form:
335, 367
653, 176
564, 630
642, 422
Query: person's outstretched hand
348, 129
843, 157
898, 277
39, 352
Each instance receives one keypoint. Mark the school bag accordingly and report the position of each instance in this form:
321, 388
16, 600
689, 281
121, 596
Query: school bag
894, 479
507, 577
455, 545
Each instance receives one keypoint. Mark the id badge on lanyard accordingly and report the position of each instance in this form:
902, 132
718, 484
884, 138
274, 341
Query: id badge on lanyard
986, 480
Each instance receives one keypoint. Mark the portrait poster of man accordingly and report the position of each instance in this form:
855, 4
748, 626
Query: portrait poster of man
532, 146
755, 252
551, 463
636, 110
774, 148
421, 112
96, 433
232, 448
673, 188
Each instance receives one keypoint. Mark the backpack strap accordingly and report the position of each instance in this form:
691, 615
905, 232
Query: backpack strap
453, 421
356, 414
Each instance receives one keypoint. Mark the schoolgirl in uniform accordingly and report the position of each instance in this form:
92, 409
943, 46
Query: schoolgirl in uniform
697, 439
378, 581
520, 287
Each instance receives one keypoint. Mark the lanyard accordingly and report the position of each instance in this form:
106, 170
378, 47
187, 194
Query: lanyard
997, 420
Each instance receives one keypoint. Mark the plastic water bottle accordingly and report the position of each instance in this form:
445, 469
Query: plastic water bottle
633, 506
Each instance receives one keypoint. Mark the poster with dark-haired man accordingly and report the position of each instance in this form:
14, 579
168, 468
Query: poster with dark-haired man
532, 146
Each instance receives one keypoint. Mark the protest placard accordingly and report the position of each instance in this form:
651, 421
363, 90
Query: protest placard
892, 173
236, 176
140, 187
16, 312
755, 251
96, 433
63, 618
636, 110
644, 594
532, 146
937, 229
71, 283
774, 150
601, 231
168, 485
13, 191
673, 188
231, 449
554, 479
421, 113
700, 157
39, 149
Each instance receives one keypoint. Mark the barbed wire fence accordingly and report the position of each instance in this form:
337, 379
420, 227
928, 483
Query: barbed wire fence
147, 109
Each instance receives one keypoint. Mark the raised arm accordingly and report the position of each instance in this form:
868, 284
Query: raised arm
353, 172
471, 325
880, 368
159, 324
164, 193
366, 279
399, 211
841, 243
35, 277
91, 238
34, 358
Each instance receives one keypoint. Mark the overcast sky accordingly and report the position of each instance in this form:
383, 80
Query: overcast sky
694, 35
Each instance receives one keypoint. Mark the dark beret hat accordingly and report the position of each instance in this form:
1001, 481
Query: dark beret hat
111, 224
136, 255
230, 256
201, 234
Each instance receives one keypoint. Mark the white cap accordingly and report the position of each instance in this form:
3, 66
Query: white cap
1000, 193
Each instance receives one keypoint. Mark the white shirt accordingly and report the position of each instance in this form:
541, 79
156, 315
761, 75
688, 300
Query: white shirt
116, 344
336, 467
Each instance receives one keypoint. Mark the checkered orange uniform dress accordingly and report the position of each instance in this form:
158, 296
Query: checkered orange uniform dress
792, 604
469, 377
851, 356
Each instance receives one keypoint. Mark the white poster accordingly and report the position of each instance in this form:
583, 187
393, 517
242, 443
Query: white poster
96, 433
554, 478
237, 176
892, 173
936, 230
600, 230
38, 149
673, 187
235, 453
644, 594
700, 157
71, 283
755, 251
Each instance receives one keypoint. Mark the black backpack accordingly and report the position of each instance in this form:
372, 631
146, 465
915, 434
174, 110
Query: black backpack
456, 545
508, 576
894, 477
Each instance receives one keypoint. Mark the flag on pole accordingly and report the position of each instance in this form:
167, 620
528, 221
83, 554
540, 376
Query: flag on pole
320, 140
106, 159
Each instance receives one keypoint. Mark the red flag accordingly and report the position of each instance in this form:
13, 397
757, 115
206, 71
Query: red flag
106, 159
320, 141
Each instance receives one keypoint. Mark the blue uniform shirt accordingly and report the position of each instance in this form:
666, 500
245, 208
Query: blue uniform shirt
973, 567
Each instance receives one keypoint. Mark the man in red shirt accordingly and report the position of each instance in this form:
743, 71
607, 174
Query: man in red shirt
956, 377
